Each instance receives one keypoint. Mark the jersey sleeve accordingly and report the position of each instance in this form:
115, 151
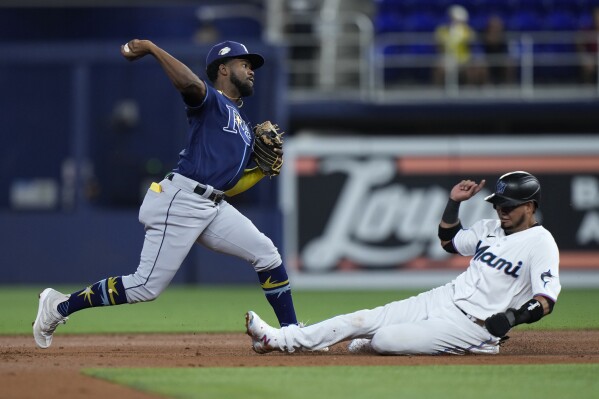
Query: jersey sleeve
194, 111
466, 240
544, 269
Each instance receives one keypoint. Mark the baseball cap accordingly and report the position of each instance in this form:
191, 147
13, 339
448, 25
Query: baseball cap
458, 13
230, 49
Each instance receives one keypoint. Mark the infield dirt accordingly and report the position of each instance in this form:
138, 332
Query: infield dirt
29, 372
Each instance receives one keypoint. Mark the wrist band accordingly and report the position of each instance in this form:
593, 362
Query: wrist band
450, 214
447, 233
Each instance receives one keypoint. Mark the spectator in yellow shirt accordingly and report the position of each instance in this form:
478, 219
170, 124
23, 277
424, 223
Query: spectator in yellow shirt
454, 42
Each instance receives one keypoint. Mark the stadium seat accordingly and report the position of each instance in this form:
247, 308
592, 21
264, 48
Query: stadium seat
389, 6
501, 7
478, 21
430, 6
524, 21
585, 21
560, 21
387, 22
470, 5
535, 6
421, 22
588, 5
573, 6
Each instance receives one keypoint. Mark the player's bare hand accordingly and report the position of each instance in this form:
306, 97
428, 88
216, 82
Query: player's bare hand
135, 49
465, 190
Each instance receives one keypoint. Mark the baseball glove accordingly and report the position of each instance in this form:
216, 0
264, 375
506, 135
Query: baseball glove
268, 139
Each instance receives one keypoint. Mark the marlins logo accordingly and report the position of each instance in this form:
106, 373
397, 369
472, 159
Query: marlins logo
546, 277
500, 187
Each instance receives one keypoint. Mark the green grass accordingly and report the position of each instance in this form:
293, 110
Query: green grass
221, 309
394, 382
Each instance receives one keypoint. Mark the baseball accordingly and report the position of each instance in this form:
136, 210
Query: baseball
126, 48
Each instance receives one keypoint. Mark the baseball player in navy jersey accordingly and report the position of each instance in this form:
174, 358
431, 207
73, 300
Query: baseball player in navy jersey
513, 278
189, 206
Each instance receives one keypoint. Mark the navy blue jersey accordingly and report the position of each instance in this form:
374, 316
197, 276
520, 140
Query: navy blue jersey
219, 142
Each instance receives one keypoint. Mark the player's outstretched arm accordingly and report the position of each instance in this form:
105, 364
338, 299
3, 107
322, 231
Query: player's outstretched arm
185, 81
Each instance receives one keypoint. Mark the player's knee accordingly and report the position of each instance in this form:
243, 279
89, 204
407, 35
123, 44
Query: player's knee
396, 341
141, 289
142, 293
262, 265
151, 295
384, 344
267, 256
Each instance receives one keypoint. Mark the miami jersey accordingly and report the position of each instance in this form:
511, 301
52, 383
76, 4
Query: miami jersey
218, 147
505, 270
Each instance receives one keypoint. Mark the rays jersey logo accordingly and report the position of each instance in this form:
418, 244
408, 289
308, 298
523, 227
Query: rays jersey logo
236, 124
497, 263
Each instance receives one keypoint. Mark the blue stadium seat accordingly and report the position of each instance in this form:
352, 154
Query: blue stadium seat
421, 22
501, 7
421, 49
518, 6
524, 21
585, 21
470, 5
560, 21
573, 6
413, 74
430, 6
389, 6
388, 22
478, 21
588, 5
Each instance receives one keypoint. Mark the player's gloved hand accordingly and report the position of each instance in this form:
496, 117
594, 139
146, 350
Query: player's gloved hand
268, 148
500, 323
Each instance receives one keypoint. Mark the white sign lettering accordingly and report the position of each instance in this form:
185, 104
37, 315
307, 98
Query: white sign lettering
585, 197
585, 193
368, 212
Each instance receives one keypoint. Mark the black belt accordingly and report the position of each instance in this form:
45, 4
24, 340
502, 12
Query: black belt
472, 318
214, 197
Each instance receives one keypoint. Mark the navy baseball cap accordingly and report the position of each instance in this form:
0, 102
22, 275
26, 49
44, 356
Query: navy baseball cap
229, 49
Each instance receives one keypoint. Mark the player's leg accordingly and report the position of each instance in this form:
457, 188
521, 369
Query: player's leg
172, 228
419, 338
360, 324
434, 336
234, 234
173, 217
170, 232
445, 330
363, 323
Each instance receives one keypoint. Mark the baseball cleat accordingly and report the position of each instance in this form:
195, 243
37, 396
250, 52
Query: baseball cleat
360, 345
48, 317
264, 337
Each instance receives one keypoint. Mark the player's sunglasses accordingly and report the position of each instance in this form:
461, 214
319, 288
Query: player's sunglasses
507, 209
